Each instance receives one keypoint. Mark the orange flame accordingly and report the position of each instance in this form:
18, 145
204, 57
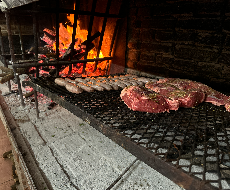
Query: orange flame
65, 39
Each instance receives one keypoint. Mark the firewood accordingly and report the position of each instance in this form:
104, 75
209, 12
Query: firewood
9, 73
79, 53
5, 69
7, 78
3, 74
18, 70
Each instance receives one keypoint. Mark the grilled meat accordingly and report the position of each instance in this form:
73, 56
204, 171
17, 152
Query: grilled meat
141, 99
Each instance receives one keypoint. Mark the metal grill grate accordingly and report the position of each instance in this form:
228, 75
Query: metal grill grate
193, 140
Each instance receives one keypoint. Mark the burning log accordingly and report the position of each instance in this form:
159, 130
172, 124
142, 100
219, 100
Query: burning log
8, 75
51, 32
77, 54
67, 54
81, 52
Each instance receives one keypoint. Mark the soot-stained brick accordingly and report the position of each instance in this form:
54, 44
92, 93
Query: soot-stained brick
145, 56
209, 7
226, 24
148, 35
152, 68
195, 53
224, 58
133, 55
208, 39
164, 60
185, 36
209, 69
157, 47
184, 65
163, 36
207, 24
159, 23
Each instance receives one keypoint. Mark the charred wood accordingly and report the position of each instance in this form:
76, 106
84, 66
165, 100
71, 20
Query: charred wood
3, 74
81, 52
41, 50
51, 105
8, 73
7, 78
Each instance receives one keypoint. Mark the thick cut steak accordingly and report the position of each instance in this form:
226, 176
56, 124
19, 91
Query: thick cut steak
141, 99
211, 95
170, 94
175, 96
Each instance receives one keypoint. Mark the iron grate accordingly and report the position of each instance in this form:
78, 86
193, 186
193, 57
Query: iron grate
196, 140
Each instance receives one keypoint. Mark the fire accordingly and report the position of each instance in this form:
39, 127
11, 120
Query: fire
65, 39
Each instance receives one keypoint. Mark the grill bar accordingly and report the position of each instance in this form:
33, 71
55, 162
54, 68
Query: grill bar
52, 63
3, 57
57, 38
182, 145
8, 26
65, 11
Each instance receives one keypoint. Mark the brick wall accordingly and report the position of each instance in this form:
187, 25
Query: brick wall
187, 39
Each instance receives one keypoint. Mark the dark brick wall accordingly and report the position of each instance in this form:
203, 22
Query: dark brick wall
187, 39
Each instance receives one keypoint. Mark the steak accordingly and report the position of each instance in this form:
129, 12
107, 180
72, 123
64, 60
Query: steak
211, 95
177, 97
141, 99
170, 94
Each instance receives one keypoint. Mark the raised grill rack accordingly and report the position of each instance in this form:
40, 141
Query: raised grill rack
189, 146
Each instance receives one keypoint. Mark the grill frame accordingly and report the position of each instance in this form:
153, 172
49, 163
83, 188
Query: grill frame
170, 168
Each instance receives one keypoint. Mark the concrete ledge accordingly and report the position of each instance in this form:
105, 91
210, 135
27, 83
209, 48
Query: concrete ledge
30, 176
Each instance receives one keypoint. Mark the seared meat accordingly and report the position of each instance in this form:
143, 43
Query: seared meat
170, 94
175, 96
141, 99
211, 95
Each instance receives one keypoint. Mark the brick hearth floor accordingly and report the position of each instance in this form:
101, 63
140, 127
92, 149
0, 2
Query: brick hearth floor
6, 175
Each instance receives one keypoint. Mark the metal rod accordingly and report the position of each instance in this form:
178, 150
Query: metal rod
35, 29
2, 49
3, 57
103, 28
102, 33
65, 11
16, 54
19, 88
74, 33
114, 36
21, 41
57, 38
8, 26
113, 44
36, 103
53, 63
89, 32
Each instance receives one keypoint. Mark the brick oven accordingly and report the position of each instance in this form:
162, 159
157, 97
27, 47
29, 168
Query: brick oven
156, 39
